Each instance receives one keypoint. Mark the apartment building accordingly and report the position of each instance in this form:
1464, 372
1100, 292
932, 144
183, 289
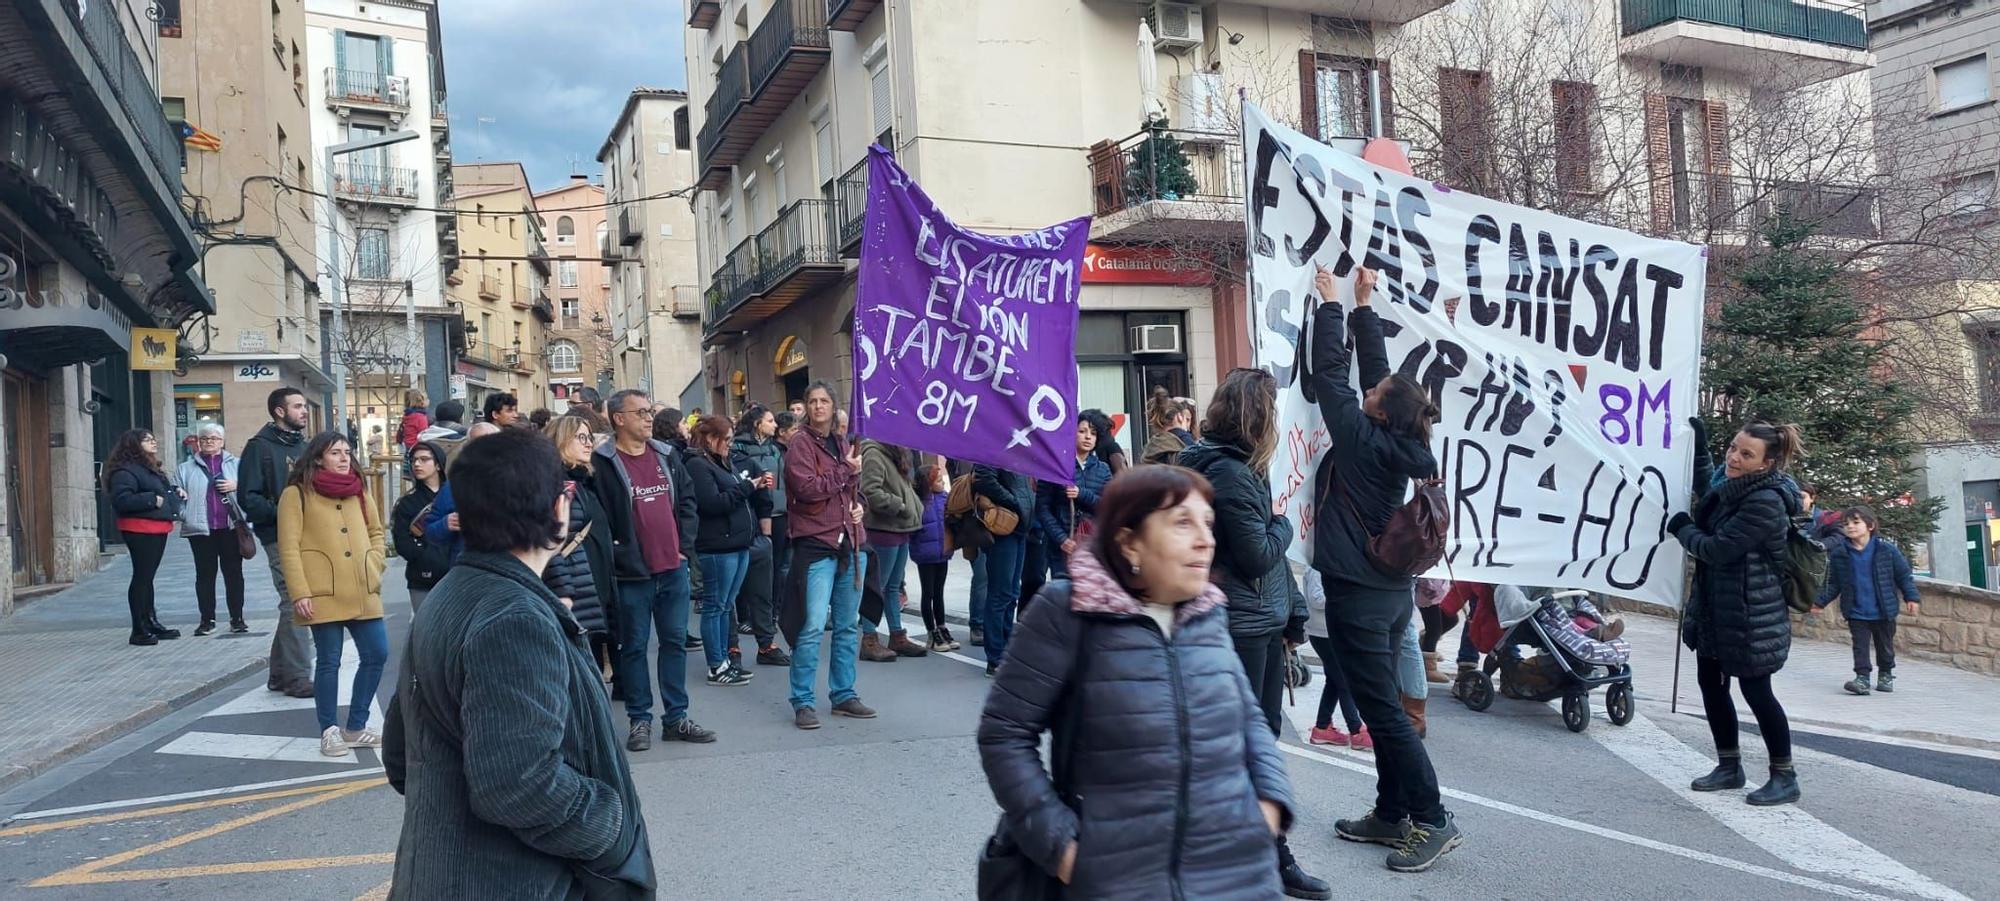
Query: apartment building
240, 75
375, 68
575, 218
1017, 115
648, 161
501, 286
1935, 66
93, 245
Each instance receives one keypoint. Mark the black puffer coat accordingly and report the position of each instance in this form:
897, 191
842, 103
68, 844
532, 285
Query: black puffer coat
1737, 614
142, 493
1250, 542
1172, 756
723, 502
584, 574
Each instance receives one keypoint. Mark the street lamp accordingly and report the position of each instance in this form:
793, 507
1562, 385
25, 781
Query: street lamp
337, 281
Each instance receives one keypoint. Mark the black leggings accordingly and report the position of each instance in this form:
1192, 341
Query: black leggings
217, 550
930, 582
1722, 712
1436, 623
1264, 662
1334, 689
146, 551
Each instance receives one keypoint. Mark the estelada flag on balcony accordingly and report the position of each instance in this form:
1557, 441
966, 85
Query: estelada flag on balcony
965, 343
1563, 355
199, 138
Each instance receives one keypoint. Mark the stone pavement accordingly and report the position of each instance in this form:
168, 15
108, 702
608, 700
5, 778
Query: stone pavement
69, 682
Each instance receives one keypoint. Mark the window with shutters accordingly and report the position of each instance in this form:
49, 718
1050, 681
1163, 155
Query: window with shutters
681, 128
824, 156
371, 253
1346, 99
1575, 120
1465, 122
882, 103
1964, 83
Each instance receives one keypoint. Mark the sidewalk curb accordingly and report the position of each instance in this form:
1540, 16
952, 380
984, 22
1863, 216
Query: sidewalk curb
16, 773
1937, 738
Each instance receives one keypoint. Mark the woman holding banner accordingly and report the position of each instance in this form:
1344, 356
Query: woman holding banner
1737, 622
1251, 536
1380, 440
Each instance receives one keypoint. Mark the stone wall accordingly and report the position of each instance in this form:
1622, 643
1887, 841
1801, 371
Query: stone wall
1955, 624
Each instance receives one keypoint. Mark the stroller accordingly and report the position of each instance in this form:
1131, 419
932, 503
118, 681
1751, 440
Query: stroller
1542, 650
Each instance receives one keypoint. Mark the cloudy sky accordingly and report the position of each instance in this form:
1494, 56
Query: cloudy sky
552, 75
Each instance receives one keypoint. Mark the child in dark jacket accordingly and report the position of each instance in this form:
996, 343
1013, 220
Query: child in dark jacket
1870, 577
933, 560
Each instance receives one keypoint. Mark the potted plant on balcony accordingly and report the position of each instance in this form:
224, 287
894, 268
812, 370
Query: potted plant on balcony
1158, 168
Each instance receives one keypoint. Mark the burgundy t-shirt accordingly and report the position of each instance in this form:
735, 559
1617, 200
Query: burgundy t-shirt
653, 511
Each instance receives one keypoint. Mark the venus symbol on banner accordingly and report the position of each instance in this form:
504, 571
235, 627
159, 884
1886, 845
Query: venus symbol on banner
1563, 355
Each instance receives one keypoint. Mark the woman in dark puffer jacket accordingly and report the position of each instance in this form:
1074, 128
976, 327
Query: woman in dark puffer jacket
583, 577
1737, 623
1164, 713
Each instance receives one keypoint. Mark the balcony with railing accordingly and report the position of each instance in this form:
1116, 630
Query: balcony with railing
794, 257
850, 196
440, 113
1166, 184
628, 227
703, 13
1703, 205
351, 89
356, 182
489, 289
1777, 43
687, 302
847, 15
758, 80
544, 309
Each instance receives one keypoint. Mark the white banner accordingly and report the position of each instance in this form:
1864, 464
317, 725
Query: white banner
1564, 356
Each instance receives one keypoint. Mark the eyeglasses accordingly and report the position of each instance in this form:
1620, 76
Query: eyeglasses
207, 438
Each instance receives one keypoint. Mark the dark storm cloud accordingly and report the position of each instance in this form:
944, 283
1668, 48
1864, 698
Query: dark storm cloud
552, 74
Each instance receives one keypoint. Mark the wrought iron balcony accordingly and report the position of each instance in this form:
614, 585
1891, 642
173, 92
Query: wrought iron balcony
703, 13
367, 183
348, 89
758, 80
793, 258
847, 15
1702, 204
851, 195
1165, 183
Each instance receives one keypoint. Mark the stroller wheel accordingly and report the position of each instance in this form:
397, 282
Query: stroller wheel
1477, 691
1618, 703
1576, 711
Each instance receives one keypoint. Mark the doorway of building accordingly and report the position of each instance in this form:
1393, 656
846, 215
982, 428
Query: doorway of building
24, 403
795, 383
123, 400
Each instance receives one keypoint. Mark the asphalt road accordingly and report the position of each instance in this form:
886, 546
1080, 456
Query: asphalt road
230, 799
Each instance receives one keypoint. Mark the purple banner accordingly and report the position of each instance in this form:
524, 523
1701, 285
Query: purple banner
965, 343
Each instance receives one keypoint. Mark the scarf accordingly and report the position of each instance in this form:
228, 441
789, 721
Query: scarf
341, 485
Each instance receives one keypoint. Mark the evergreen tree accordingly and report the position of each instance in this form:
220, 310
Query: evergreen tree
1158, 168
1791, 346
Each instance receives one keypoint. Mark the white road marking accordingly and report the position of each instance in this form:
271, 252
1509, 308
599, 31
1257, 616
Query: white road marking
190, 795
1787, 832
253, 747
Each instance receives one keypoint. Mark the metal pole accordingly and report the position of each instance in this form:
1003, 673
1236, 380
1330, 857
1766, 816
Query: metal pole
413, 363
339, 287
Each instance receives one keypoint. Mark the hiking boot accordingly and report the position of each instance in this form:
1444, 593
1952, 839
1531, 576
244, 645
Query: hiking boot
1887, 682
1857, 685
1327, 735
900, 643
854, 708
331, 744
1728, 774
1432, 674
1782, 789
773, 656
207, 626
687, 731
1360, 740
1371, 828
978, 639
1425, 843
873, 651
641, 736
805, 718
727, 675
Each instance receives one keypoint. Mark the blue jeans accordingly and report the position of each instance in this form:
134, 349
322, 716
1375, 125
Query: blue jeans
721, 579
371, 638
1003, 592
1410, 665
1466, 652
895, 563
976, 616
660, 602
832, 595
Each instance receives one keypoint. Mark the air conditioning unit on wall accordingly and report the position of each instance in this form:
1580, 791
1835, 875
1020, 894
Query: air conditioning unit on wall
1156, 339
1176, 26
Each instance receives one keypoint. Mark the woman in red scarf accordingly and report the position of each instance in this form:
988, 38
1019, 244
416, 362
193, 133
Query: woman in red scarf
330, 545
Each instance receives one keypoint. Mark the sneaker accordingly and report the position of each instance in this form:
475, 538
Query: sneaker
948, 639
331, 744
726, 675
1887, 682
238, 626
743, 629
1371, 828
854, 708
773, 656
1424, 844
805, 718
1360, 740
687, 731
736, 663
207, 626
1857, 685
361, 738
1328, 735
978, 639
693, 642
992, 668
641, 736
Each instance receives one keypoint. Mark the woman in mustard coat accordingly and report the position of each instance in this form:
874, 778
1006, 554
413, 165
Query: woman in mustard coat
330, 545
